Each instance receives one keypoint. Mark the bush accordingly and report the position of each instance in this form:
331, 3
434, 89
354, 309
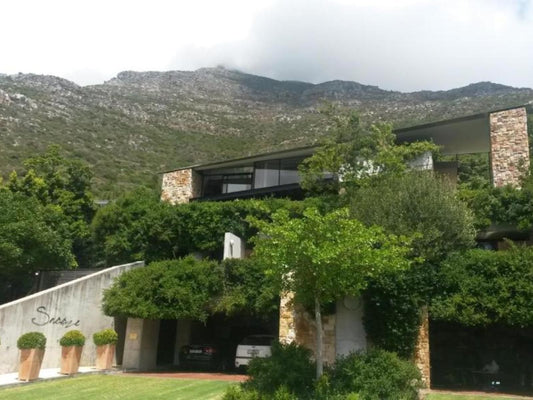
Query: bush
375, 375
238, 393
72, 338
107, 336
289, 366
31, 340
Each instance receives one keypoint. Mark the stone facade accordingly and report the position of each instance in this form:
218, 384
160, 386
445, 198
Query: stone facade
509, 146
422, 355
180, 186
296, 325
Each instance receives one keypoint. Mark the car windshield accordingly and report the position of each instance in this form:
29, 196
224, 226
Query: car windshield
258, 340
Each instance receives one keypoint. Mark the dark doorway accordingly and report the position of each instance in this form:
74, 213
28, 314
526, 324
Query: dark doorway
491, 358
166, 343
120, 328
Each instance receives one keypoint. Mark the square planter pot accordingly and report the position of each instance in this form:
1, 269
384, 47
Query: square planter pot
104, 356
70, 359
30, 364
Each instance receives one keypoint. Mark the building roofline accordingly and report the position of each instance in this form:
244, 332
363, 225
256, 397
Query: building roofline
485, 114
247, 158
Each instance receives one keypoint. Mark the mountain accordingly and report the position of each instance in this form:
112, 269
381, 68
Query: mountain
141, 123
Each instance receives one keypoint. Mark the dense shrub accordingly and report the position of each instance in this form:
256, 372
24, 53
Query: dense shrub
246, 288
239, 393
375, 375
481, 287
289, 366
72, 338
31, 340
106, 336
172, 289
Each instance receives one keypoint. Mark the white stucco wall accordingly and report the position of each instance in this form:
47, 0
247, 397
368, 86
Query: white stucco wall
350, 335
73, 305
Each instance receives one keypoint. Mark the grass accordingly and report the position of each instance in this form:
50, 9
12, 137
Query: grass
443, 396
114, 387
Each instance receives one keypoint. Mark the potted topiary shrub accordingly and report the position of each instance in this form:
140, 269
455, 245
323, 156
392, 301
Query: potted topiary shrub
31, 346
71, 347
105, 342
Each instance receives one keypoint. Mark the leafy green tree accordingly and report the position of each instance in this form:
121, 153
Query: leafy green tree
426, 207
321, 258
28, 243
353, 154
62, 184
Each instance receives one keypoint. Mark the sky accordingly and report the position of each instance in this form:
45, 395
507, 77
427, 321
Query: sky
404, 45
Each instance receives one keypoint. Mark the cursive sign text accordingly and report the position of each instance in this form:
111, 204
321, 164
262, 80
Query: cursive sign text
45, 319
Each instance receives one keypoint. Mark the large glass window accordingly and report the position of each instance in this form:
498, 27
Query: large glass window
237, 183
288, 172
212, 184
266, 174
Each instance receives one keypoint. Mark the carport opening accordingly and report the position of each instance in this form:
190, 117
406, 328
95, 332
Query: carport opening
220, 331
493, 358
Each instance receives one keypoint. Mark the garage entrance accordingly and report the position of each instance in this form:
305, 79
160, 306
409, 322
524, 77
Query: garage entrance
220, 332
481, 358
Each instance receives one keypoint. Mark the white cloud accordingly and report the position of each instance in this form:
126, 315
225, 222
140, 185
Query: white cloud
396, 44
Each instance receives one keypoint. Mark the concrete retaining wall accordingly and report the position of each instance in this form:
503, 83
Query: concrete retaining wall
73, 305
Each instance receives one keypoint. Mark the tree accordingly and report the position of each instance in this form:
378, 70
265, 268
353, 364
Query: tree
62, 184
422, 205
321, 258
28, 243
353, 154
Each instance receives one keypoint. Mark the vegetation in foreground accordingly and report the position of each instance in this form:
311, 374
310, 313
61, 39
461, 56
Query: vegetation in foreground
446, 396
117, 387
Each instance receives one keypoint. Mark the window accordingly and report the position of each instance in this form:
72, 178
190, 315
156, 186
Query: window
266, 174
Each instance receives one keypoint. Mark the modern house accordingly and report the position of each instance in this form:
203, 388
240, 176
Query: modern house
501, 134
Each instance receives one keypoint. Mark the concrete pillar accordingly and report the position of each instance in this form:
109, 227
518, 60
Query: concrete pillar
180, 186
140, 346
183, 337
234, 246
350, 335
509, 154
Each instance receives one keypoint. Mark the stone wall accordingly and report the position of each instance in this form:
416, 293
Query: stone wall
297, 325
180, 186
422, 356
73, 305
509, 146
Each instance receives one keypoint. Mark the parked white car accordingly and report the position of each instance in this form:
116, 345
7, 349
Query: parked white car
253, 346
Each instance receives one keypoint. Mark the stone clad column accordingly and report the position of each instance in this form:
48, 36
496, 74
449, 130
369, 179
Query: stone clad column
298, 326
180, 186
422, 356
509, 143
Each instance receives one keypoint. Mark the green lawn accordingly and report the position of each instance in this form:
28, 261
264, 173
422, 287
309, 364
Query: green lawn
112, 387
466, 397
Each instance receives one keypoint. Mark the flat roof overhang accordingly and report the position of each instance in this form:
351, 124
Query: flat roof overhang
458, 136
237, 162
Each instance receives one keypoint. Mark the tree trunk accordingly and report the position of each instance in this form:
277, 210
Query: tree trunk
319, 355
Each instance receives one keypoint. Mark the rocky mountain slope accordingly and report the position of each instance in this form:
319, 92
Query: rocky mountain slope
140, 123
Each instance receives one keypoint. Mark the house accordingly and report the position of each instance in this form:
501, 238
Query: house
501, 134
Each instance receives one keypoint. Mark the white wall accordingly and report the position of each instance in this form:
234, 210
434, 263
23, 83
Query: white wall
350, 335
73, 305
